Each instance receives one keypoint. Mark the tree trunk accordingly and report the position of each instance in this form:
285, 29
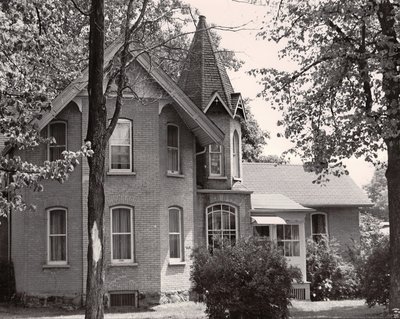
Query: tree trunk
393, 180
96, 135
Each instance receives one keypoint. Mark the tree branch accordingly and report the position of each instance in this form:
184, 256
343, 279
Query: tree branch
79, 9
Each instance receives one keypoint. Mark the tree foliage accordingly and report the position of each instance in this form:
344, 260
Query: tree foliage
378, 193
343, 98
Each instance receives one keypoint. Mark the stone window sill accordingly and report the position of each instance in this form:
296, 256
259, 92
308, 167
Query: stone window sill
116, 173
237, 179
223, 178
175, 175
57, 266
124, 265
176, 263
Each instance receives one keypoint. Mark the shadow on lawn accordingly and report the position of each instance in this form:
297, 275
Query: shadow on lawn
340, 312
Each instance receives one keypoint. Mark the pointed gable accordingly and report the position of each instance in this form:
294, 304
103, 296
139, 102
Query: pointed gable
204, 73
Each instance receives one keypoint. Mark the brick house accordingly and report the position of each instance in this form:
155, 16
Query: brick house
175, 180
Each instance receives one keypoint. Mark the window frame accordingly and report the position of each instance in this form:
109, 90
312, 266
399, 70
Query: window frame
178, 148
288, 240
326, 225
57, 262
121, 170
131, 217
221, 156
222, 230
48, 135
181, 251
236, 155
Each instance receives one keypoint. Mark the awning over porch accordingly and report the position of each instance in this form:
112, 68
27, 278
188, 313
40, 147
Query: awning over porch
268, 220
275, 203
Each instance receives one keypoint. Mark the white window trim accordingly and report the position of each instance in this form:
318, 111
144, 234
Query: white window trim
237, 160
289, 240
122, 261
130, 150
57, 262
48, 135
174, 148
326, 224
221, 155
181, 257
236, 220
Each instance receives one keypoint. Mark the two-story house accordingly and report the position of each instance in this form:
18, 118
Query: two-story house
175, 180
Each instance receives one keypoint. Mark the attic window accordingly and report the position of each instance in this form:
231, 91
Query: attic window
173, 148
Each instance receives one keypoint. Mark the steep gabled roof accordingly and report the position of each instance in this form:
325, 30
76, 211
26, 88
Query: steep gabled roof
294, 182
204, 73
205, 130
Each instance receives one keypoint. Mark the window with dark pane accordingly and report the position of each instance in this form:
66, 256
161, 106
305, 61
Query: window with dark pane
318, 226
173, 148
236, 155
215, 152
58, 131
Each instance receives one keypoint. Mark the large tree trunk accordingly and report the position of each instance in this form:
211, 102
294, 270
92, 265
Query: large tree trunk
96, 135
393, 180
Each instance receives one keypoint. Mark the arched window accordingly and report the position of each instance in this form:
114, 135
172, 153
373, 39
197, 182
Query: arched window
57, 130
236, 155
221, 225
57, 236
319, 225
175, 234
173, 148
122, 234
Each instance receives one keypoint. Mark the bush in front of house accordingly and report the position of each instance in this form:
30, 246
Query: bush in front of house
248, 280
331, 277
375, 274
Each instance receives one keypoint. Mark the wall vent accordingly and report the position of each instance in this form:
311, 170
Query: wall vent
124, 299
298, 293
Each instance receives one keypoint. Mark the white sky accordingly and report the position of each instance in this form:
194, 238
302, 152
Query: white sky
259, 53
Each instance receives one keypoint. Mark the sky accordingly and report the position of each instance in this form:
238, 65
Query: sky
258, 53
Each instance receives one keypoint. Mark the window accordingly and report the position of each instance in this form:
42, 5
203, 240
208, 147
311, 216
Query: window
221, 225
121, 147
215, 152
57, 236
318, 225
288, 239
262, 232
236, 155
122, 235
57, 130
175, 234
173, 148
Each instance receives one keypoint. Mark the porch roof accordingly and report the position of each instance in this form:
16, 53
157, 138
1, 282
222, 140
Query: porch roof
275, 203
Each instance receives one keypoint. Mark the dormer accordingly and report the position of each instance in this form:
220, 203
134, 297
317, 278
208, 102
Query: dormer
206, 82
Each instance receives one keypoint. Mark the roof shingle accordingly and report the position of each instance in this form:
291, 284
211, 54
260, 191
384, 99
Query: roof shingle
294, 182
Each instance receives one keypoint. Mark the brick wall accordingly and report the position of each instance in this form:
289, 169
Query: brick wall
29, 230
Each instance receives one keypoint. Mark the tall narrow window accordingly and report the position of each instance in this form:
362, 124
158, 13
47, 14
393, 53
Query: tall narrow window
318, 226
57, 130
288, 239
121, 147
215, 152
221, 225
175, 234
57, 235
173, 148
236, 155
122, 234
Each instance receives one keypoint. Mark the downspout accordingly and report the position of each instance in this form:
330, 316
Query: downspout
202, 152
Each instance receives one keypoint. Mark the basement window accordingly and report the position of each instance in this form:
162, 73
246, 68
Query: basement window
124, 299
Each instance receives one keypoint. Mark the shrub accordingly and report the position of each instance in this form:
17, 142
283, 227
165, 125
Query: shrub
331, 277
375, 275
248, 280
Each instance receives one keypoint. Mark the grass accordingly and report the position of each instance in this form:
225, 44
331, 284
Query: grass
190, 310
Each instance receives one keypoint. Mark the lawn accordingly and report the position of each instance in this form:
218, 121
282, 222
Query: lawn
190, 310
